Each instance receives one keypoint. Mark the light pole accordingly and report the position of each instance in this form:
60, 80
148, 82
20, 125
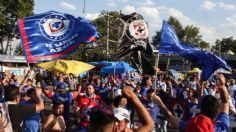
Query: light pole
108, 30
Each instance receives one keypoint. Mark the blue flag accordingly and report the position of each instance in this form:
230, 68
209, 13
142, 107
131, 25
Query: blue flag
53, 35
170, 44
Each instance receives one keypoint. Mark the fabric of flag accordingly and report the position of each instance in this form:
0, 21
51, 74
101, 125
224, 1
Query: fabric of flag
178, 107
208, 61
134, 42
53, 35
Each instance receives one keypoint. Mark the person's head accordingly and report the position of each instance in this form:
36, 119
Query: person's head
122, 117
190, 93
120, 101
71, 75
102, 84
149, 92
97, 81
11, 81
12, 93
137, 89
90, 89
32, 94
146, 81
14, 77
232, 82
29, 82
209, 106
58, 107
102, 119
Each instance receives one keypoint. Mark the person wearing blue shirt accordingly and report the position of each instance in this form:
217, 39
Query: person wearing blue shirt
31, 123
145, 85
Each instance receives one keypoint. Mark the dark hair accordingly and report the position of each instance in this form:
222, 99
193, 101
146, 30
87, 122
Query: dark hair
117, 100
149, 91
56, 103
29, 80
100, 117
11, 92
144, 81
30, 91
209, 106
88, 84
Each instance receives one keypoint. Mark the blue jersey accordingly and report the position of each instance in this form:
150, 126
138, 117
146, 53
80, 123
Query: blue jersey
31, 123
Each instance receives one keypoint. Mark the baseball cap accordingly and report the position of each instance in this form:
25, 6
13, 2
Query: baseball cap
200, 123
121, 114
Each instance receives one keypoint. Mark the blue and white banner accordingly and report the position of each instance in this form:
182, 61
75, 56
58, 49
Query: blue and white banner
53, 35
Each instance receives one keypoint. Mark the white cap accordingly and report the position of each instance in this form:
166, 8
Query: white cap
121, 114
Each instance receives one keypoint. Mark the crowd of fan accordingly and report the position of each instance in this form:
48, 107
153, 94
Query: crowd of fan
100, 103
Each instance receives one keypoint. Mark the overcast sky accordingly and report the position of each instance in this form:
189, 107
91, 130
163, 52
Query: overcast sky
215, 18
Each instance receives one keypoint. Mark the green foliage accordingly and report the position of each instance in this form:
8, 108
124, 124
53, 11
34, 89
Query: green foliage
189, 34
12, 10
19, 50
225, 45
97, 52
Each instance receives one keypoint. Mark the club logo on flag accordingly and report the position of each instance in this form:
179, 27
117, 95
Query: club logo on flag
56, 27
138, 29
52, 35
178, 111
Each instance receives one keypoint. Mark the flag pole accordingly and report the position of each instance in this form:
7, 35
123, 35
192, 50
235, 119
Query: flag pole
156, 68
168, 63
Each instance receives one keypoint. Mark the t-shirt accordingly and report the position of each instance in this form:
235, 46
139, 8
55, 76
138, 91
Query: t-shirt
231, 90
221, 123
31, 123
60, 85
144, 91
85, 104
152, 109
179, 93
25, 89
18, 112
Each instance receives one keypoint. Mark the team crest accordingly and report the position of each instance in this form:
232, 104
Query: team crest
138, 29
56, 27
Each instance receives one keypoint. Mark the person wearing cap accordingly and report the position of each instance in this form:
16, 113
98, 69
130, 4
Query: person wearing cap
212, 118
123, 118
103, 121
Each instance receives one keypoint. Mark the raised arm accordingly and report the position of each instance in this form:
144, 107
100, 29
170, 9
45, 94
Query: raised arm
24, 80
77, 92
224, 95
39, 105
147, 124
165, 111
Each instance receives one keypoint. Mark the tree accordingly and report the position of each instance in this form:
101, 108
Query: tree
11, 12
19, 50
189, 34
224, 45
97, 51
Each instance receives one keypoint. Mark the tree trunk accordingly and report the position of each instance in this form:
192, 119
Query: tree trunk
1, 51
8, 41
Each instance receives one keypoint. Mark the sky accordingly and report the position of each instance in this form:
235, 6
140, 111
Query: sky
215, 18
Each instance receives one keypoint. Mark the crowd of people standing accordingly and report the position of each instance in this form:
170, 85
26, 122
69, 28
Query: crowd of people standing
121, 103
